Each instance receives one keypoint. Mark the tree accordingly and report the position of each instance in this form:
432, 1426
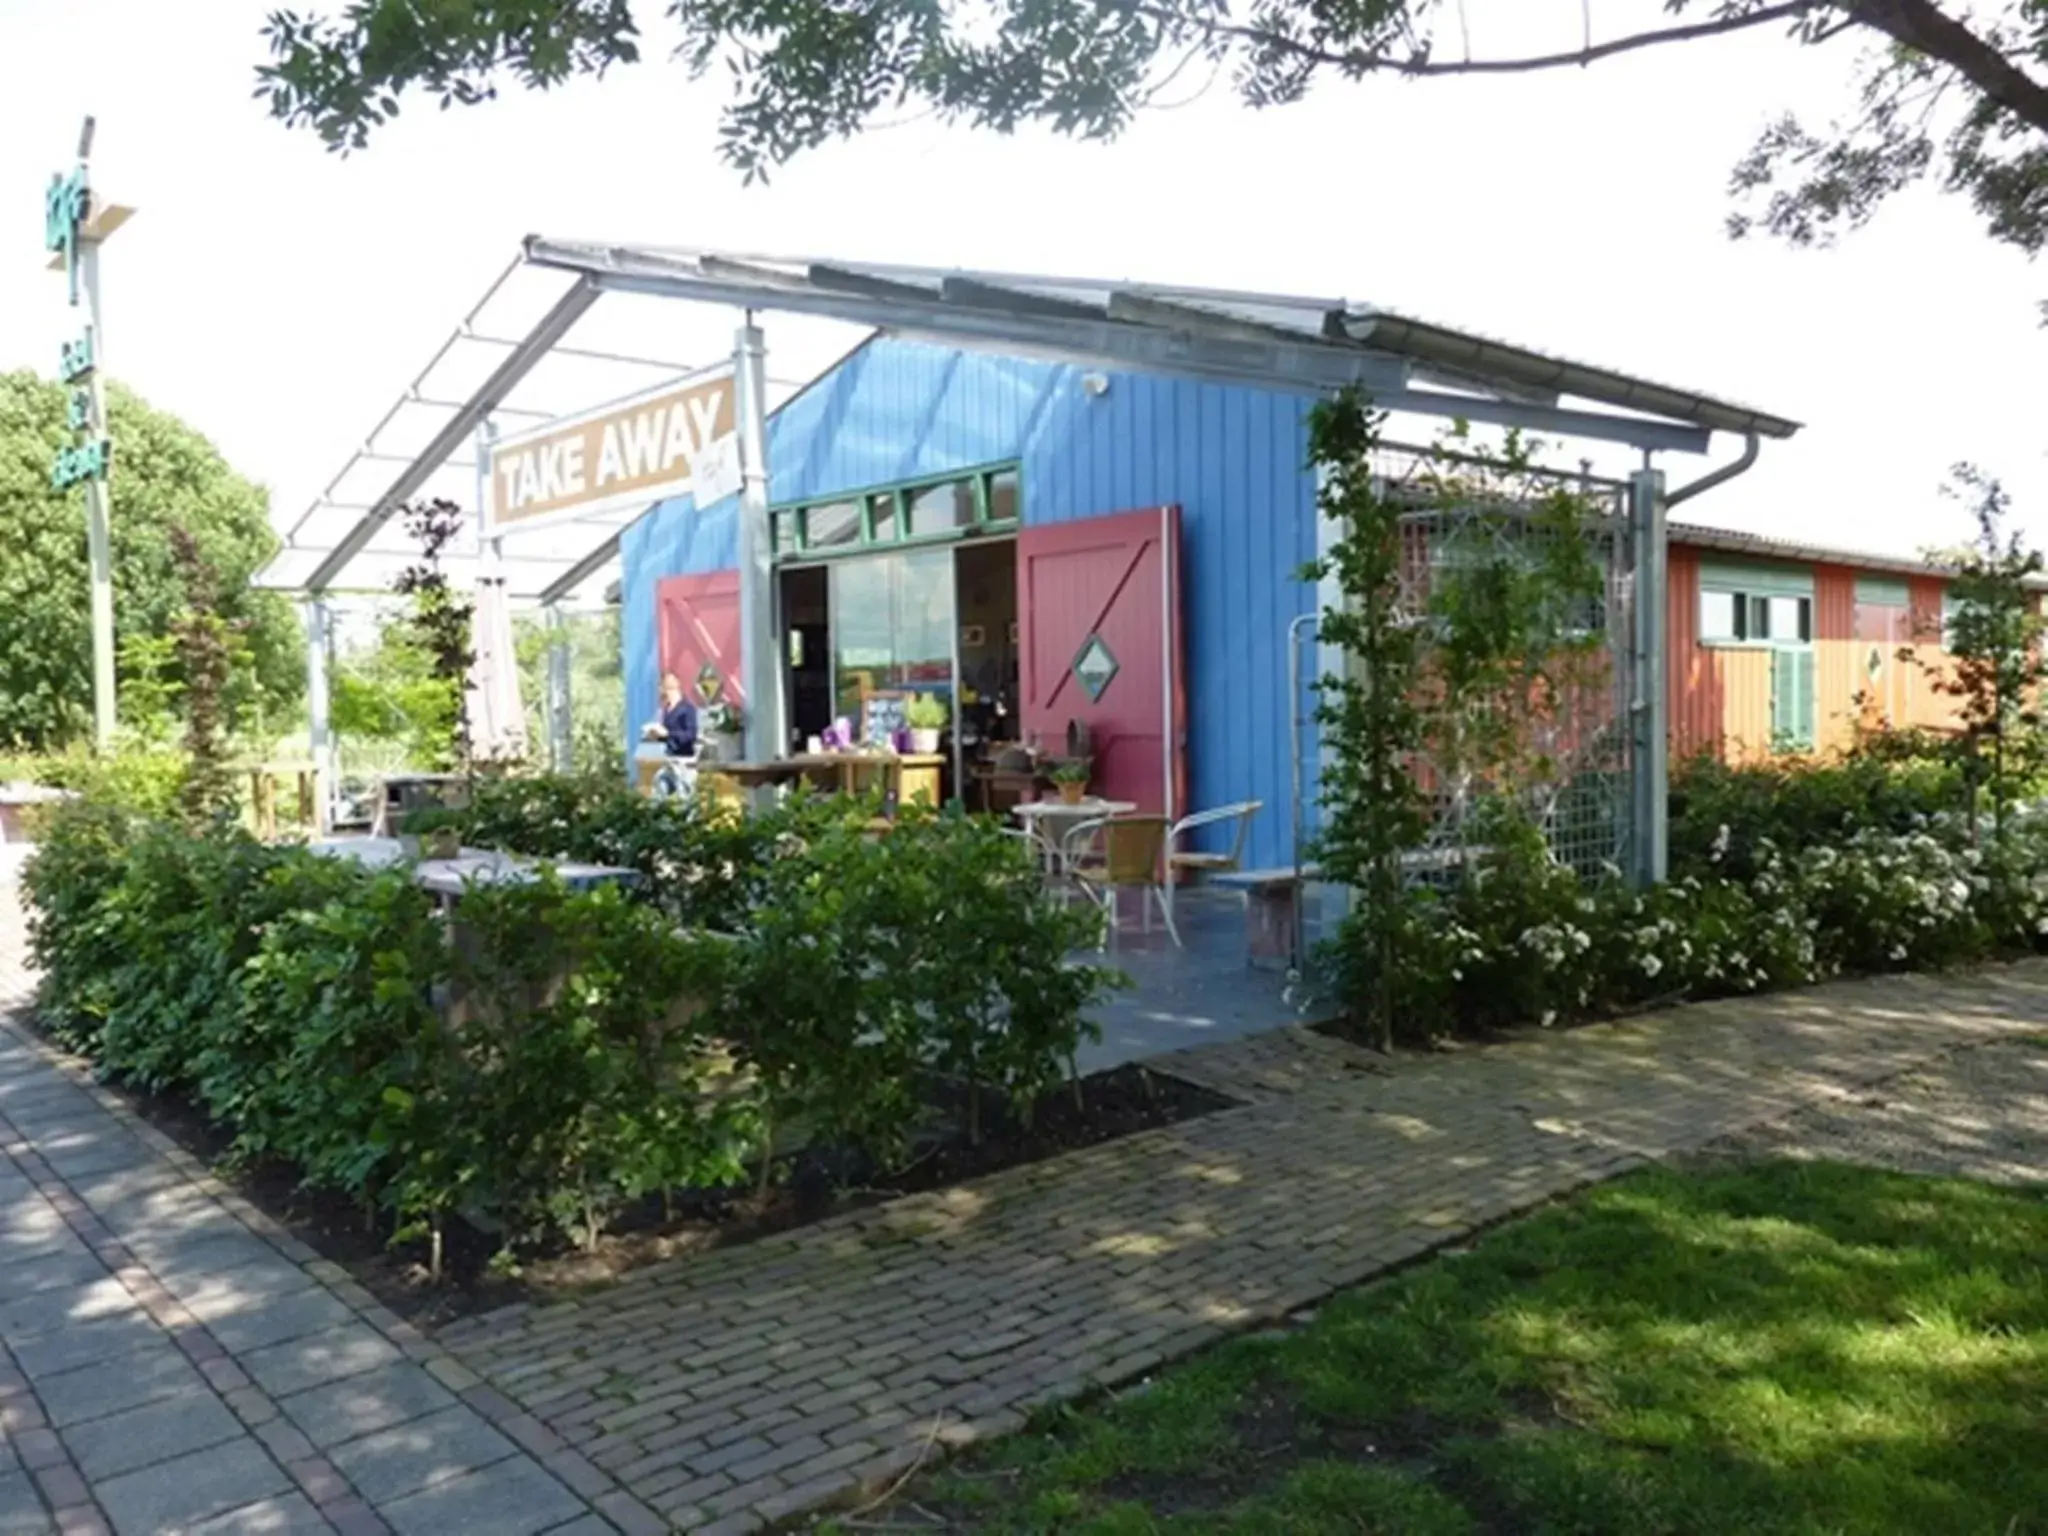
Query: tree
165, 474
206, 654
1992, 664
1939, 85
439, 624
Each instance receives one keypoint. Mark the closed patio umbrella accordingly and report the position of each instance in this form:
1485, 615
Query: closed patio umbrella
497, 716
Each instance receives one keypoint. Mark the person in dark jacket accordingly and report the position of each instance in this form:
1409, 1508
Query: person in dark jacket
678, 728
678, 718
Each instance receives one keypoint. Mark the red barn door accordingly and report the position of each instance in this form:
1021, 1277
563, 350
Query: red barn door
700, 635
1100, 640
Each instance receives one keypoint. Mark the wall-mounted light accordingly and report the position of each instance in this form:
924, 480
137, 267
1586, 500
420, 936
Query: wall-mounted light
1095, 385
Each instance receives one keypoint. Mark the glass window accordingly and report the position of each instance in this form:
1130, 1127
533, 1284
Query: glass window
940, 508
892, 625
1789, 620
833, 524
1002, 496
882, 516
1720, 616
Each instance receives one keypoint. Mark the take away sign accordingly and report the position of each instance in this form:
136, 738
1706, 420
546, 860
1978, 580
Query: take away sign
677, 438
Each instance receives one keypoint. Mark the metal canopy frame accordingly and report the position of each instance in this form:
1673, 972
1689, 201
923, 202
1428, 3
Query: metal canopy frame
1300, 345
488, 369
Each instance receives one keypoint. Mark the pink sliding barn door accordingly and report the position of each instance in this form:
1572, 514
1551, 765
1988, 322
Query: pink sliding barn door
700, 635
1099, 627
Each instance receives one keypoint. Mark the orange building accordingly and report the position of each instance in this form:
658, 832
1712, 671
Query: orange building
1775, 646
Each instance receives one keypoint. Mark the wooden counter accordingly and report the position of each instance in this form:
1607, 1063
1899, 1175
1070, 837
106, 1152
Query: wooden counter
909, 776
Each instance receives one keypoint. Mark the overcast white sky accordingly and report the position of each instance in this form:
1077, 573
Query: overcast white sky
279, 297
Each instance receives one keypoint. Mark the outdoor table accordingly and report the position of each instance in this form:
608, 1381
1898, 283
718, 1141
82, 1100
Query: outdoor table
448, 878
1060, 818
17, 799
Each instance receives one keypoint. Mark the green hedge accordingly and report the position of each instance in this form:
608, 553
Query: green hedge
561, 1054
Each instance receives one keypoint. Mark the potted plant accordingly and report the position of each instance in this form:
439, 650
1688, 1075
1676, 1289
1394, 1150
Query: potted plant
1071, 780
723, 726
927, 716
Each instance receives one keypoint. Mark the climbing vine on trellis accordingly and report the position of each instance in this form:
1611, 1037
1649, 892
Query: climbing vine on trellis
1471, 612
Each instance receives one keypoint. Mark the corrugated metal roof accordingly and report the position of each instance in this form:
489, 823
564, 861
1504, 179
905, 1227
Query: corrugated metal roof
1316, 337
1762, 547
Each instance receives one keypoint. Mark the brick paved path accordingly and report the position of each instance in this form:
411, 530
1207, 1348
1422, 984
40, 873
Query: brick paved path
746, 1384
739, 1387
171, 1362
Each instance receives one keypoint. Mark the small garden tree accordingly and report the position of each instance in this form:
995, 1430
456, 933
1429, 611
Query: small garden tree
440, 626
205, 654
1993, 666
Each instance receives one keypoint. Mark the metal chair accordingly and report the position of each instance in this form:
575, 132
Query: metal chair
1116, 853
1198, 861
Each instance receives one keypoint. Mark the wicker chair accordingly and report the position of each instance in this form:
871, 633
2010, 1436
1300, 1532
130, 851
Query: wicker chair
1117, 853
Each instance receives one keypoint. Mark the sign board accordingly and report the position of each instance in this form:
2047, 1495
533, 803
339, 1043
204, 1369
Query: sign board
66, 207
626, 455
882, 716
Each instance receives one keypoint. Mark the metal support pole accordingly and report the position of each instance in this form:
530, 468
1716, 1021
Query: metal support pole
319, 645
561, 750
98, 496
1650, 743
760, 661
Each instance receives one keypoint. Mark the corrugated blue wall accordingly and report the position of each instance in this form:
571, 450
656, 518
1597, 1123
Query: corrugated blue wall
1235, 462
1232, 459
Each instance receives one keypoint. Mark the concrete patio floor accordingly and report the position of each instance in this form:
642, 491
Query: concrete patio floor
1203, 993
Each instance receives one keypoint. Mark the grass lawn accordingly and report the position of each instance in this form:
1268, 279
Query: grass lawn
1778, 1347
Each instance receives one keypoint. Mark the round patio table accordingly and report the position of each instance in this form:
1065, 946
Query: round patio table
1051, 820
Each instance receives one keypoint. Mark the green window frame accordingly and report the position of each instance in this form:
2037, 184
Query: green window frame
1755, 605
821, 529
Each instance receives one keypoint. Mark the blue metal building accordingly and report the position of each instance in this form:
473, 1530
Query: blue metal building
1085, 445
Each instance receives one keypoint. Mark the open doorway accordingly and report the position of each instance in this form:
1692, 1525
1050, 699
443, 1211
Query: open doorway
935, 619
985, 584
807, 652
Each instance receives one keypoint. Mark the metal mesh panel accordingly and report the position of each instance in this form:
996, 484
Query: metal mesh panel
1572, 775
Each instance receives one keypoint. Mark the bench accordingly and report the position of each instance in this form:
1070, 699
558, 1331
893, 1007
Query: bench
1269, 900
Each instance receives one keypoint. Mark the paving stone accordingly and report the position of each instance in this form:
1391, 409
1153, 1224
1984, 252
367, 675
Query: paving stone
392, 1463
55, 1308
273, 1320
292, 1514
514, 1498
102, 1341
346, 1410
21, 1512
140, 1437
74, 1267
318, 1358
178, 1494
186, 1263
95, 1391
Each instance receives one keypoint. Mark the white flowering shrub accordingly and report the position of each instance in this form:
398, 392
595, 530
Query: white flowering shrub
1888, 901
1522, 940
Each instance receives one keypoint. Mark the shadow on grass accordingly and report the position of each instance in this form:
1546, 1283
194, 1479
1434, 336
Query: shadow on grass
1797, 1347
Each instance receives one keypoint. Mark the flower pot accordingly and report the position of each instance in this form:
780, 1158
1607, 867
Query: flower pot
1072, 793
923, 741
